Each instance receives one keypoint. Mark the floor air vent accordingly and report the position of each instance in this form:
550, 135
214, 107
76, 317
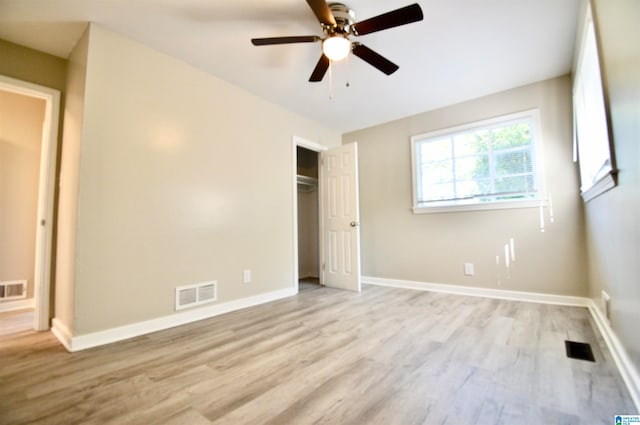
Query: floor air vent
579, 350
13, 289
197, 294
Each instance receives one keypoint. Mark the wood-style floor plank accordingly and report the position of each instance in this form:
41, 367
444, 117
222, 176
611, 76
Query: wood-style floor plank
12, 322
384, 356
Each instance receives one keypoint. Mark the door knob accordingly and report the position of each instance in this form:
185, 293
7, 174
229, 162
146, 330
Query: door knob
354, 224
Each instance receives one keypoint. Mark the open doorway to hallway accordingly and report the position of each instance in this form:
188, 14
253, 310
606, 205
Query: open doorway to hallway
28, 147
21, 121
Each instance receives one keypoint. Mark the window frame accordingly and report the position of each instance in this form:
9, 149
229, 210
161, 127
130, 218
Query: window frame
532, 115
604, 178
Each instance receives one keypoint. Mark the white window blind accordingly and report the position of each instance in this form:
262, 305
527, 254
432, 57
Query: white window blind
492, 161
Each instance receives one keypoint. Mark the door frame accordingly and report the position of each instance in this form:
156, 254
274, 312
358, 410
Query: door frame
46, 192
316, 147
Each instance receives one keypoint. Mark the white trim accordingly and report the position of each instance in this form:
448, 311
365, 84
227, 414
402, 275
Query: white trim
307, 144
46, 192
321, 189
500, 205
502, 294
60, 331
16, 305
294, 206
627, 370
107, 336
601, 186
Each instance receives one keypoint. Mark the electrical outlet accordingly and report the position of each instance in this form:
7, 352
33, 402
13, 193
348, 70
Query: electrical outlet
468, 269
246, 276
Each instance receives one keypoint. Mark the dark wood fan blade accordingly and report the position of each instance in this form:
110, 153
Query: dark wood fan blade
322, 12
267, 41
395, 18
320, 69
374, 59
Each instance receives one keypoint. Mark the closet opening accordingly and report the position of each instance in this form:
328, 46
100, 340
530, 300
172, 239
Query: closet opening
308, 219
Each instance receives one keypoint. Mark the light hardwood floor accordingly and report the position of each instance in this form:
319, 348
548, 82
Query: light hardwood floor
12, 322
384, 356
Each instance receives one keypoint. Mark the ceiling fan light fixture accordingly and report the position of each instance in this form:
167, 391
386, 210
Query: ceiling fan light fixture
336, 48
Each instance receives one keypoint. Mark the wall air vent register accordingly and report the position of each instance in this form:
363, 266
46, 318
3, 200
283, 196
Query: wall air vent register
197, 294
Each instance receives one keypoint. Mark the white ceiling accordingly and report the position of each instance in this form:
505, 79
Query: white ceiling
462, 49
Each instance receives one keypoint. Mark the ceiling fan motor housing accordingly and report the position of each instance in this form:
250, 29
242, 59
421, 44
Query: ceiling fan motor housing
344, 18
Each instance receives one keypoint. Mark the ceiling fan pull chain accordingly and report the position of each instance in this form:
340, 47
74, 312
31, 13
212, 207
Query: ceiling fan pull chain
347, 58
330, 79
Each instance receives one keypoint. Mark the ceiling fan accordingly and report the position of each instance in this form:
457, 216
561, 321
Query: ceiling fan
337, 22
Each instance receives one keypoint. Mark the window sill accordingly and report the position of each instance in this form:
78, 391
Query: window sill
606, 183
506, 205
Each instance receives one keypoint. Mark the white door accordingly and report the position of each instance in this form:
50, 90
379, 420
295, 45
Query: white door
340, 215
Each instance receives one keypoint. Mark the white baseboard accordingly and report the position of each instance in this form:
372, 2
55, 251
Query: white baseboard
626, 368
61, 332
107, 336
480, 292
16, 305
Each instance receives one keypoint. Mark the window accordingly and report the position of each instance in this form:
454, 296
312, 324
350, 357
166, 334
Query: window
487, 164
591, 136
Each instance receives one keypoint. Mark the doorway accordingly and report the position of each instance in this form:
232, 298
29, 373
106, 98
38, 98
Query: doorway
308, 218
30, 156
307, 214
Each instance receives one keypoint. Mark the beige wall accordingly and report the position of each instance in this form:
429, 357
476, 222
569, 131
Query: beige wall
183, 178
68, 197
31, 65
613, 219
308, 234
21, 119
397, 244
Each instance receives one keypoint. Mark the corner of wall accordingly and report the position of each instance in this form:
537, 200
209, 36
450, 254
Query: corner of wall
68, 188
